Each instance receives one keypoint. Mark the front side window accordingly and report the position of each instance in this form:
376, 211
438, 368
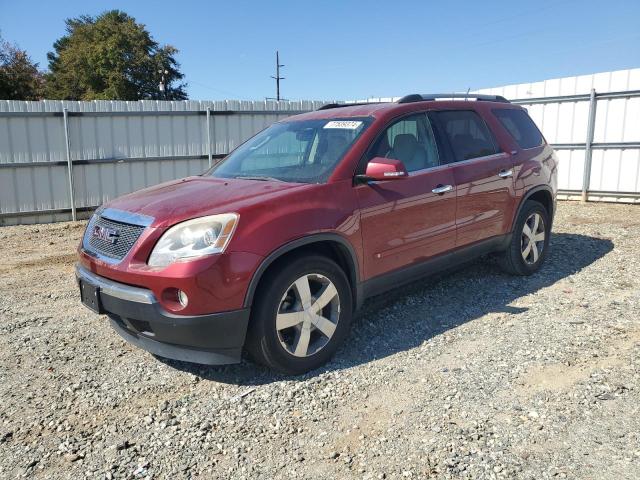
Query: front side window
409, 140
467, 133
305, 151
520, 126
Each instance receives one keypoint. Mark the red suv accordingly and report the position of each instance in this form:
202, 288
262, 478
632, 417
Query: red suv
274, 248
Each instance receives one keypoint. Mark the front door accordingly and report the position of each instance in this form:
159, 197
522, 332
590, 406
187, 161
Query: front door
483, 176
404, 222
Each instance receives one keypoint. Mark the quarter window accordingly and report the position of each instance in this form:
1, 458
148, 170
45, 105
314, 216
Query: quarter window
467, 133
520, 126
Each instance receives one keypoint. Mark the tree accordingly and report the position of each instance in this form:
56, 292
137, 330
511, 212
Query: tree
112, 57
19, 76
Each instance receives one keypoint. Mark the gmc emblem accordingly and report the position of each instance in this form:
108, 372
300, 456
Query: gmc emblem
107, 234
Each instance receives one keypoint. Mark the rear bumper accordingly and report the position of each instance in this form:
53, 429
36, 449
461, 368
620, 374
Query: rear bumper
137, 316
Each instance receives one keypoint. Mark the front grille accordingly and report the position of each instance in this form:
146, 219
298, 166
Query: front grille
127, 234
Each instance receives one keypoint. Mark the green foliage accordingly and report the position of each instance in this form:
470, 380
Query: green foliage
111, 57
19, 76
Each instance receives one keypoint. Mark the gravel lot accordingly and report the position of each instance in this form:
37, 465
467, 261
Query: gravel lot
474, 375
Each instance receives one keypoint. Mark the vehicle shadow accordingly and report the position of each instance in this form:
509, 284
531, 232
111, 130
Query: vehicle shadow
406, 317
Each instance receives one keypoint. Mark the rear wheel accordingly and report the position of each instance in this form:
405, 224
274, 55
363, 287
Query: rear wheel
300, 316
529, 242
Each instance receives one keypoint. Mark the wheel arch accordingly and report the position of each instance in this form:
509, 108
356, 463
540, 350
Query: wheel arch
542, 194
332, 245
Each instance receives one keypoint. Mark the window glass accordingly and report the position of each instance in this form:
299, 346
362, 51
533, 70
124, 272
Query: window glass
283, 151
467, 133
409, 140
520, 126
305, 151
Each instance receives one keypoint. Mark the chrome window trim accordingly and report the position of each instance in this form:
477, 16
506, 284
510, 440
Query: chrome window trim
430, 169
462, 162
486, 157
543, 144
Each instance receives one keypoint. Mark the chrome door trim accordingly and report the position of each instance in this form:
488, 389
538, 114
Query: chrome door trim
442, 189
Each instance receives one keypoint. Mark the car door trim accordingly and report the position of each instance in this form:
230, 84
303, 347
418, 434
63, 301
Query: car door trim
438, 264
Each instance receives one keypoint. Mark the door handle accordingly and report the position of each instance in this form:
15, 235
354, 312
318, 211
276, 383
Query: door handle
442, 189
505, 173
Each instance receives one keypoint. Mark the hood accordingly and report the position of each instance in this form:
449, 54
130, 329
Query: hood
179, 200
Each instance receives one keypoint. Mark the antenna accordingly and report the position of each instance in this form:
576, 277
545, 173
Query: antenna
278, 77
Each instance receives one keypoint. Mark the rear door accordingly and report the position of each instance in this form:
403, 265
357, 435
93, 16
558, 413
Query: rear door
405, 222
482, 173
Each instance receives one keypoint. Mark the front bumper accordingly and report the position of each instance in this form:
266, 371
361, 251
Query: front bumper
134, 312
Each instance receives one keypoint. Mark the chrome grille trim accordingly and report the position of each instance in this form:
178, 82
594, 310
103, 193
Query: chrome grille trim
126, 217
130, 227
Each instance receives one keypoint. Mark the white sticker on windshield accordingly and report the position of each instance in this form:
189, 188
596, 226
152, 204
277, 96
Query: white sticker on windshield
346, 124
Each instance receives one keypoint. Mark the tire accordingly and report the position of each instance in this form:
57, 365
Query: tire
280, 325
516, 259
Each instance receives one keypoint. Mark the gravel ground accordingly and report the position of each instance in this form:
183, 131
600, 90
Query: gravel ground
471, 375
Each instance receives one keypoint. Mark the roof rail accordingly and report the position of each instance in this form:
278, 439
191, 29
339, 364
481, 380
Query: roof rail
340, 105
415, 97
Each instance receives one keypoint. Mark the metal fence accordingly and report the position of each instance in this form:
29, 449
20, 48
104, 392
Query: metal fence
59, 159
613, 172
593, 121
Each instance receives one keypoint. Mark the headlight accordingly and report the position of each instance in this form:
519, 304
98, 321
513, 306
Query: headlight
194, 238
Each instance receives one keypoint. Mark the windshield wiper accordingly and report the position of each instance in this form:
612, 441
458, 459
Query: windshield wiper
259, 177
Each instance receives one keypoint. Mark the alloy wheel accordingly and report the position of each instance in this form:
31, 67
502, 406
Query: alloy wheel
533, 236
308, 315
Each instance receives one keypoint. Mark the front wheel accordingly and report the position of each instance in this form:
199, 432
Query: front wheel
301, 315
530, 241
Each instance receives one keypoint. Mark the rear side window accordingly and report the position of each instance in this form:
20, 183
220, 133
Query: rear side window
467, 133
520, 126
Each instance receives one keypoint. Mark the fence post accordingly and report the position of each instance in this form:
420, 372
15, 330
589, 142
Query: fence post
591, 126
65, 117
209, 137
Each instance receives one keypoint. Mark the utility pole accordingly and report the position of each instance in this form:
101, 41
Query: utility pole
278, 77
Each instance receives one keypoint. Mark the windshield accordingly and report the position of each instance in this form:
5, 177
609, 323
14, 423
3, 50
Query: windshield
305, 151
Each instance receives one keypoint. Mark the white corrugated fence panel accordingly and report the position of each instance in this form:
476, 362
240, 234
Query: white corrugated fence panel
617, 120
179, 139
175, 135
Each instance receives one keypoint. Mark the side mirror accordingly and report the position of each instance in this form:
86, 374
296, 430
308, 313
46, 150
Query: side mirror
380, 168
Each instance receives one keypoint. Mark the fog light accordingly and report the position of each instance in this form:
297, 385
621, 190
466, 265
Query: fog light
182, 298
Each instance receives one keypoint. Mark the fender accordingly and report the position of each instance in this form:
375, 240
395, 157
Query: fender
352, 259
528, 195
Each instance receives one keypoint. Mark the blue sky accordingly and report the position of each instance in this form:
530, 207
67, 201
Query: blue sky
357, 49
